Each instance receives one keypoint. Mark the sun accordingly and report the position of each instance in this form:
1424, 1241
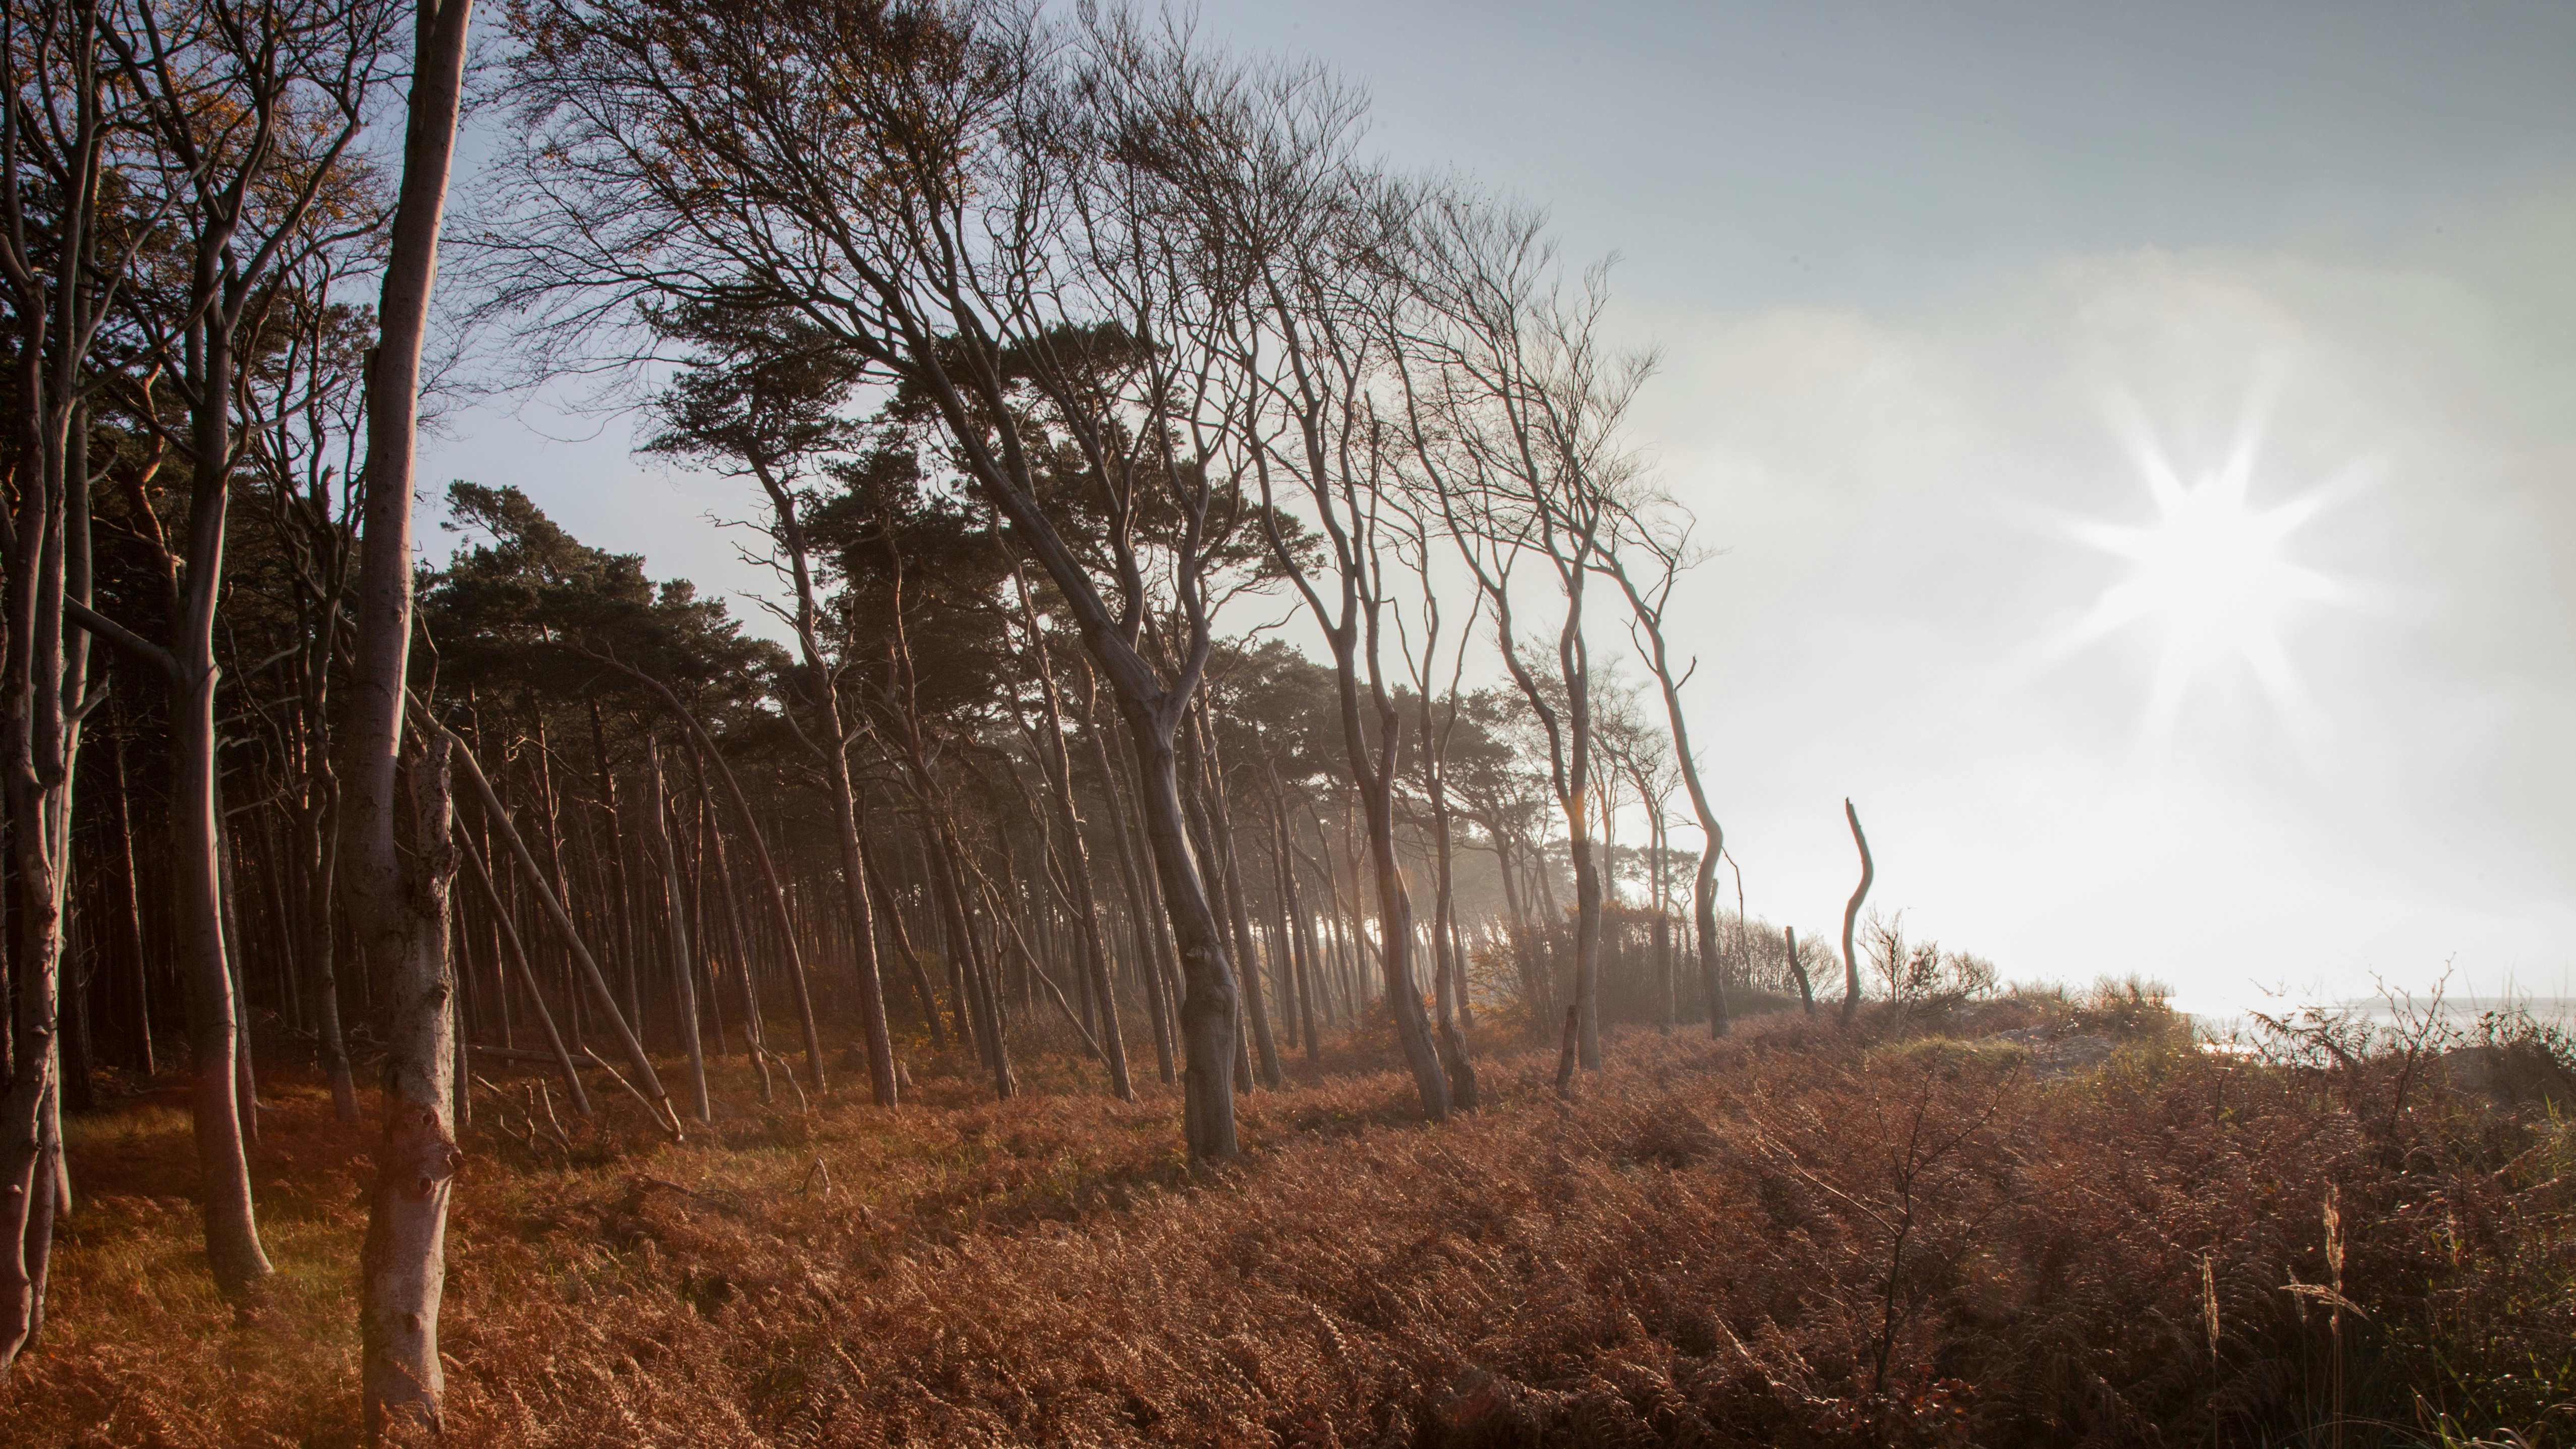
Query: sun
2210, 573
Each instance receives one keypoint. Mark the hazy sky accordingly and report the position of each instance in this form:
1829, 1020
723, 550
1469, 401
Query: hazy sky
1922, 276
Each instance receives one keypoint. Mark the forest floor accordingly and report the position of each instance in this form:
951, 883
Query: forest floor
1920, 1230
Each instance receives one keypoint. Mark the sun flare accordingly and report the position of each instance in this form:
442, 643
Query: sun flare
2209, 573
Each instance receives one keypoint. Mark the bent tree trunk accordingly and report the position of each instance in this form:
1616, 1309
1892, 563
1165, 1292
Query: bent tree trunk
603, 999
1208, 1005
515, 957
1057, 761
1395, 955
1139, 906
831, 745
233, 1248
1851, 917
1647, 606
397, 908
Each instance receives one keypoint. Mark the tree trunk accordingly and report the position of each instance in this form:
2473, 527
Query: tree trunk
949, 880
517, 958
44, 665
1208, 1001
398, 909
1396, 927
1798, 970
318, 830
1648, 610
684, 981
125, 907
1058, 762
754, 1030
38, 783
1301, 935
79, 1090
1851, 917
833, 748
1455, 1014
1203, 846
911, 959
777, 890
1587, 939
602, 997
233, 1248
402, 1268
1139, 907
619, 931
245, 1065
1221, 821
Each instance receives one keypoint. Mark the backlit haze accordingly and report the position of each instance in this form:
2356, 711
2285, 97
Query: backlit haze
2142, 450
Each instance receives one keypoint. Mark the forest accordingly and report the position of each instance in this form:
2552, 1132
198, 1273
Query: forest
997, 984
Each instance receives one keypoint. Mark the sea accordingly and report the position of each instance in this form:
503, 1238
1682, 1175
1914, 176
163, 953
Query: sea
2459, 1013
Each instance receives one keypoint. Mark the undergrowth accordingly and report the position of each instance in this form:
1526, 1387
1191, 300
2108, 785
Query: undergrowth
1913, 1232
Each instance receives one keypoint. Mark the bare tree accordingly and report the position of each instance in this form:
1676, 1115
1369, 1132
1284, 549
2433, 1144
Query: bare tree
1436, 725
1283, 218
1648, 582
1517, 416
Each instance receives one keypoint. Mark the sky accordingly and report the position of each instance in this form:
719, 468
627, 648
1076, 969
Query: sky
1933, 288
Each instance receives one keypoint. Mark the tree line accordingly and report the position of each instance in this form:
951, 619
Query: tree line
1052, 358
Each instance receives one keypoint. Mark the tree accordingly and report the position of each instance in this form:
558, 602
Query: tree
1851, 916
1437, 729
1665, 543
247, 113
307, 376
1259, 204
1516, 413
670, 153
397, 900
761, 401
59, 277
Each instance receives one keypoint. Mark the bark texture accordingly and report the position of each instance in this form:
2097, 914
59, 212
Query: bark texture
398, 908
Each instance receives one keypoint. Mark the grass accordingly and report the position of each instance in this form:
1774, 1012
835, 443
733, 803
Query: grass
1905, 1234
